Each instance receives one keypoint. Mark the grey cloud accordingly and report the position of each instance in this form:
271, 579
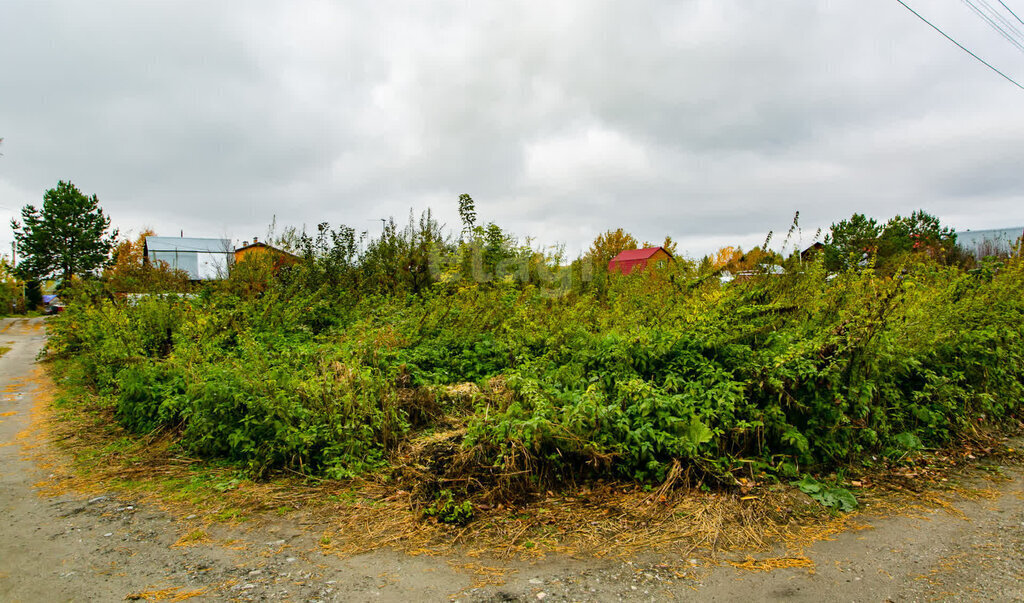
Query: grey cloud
711, 121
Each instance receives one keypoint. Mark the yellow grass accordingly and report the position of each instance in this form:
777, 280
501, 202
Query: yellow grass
174, 593
772, 563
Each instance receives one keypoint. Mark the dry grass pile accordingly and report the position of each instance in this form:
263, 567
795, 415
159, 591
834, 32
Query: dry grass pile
174, 593
772, 563
610, 521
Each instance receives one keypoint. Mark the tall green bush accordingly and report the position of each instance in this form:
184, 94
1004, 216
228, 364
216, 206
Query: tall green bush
778, 373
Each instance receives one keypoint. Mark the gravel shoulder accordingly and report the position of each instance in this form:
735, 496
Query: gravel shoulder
109, 548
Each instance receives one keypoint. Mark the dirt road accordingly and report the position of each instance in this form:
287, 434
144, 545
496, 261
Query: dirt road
104, 548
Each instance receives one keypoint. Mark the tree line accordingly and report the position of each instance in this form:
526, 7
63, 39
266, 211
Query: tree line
69, 237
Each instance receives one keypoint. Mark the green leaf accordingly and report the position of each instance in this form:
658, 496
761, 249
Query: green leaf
697, 433
909, 441
808, 485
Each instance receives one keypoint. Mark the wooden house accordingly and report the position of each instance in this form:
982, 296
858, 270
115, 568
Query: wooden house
257, 249
635, 260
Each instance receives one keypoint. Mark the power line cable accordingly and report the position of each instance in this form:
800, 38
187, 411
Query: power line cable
1008, 25
996, 26
962, 47
1011, 11
1002, 18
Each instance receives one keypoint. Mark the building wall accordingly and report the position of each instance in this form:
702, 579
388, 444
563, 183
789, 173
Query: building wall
241, 254
199, 266
258, 251
201, 258
627, 267
983, 243
660, 256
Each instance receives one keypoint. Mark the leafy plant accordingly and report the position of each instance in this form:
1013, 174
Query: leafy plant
831, 497
339, 365
446, 510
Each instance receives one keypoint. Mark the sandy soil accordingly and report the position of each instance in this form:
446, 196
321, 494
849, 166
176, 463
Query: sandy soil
105, 548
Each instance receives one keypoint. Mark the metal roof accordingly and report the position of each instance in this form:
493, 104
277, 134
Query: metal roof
263, 245
973, 237
637, 254
634, 258
188, 244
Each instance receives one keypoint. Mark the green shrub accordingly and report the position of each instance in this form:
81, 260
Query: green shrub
446, 510
777, 375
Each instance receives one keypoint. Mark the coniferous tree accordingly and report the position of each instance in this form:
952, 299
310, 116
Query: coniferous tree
66, 237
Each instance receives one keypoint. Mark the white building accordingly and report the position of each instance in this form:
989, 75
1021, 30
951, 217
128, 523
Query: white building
202, 259
995, 241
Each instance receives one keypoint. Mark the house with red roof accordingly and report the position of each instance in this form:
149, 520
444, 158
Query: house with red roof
632, 260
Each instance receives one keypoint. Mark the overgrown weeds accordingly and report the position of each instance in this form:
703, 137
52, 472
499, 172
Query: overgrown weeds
603, 518
497, 393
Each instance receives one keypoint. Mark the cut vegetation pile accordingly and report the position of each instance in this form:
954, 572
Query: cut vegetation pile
494, 392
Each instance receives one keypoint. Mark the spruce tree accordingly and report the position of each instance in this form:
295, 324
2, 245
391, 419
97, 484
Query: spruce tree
66, 237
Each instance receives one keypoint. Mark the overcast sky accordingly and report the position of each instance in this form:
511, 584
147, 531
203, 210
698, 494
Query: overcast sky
712, 121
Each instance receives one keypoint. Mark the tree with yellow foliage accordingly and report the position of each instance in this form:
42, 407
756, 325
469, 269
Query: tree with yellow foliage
734, 259
726, 257
668, 245
130, 273
610, 244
